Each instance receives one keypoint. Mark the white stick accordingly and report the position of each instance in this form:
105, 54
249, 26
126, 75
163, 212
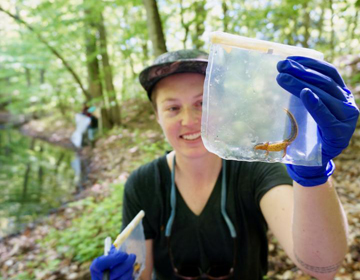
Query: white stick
107, 245
129, 228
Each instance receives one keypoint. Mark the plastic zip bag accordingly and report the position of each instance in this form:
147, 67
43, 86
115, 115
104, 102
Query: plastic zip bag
132, 241
245, 110
135, 244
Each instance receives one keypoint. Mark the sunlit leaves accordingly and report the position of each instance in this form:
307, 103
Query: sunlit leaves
309, 23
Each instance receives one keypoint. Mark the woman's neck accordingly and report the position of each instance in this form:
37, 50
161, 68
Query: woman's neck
199, 168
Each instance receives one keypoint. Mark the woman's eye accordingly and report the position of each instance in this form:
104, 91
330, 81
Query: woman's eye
172, 109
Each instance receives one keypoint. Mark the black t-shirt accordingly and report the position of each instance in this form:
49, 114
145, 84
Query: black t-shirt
205, 239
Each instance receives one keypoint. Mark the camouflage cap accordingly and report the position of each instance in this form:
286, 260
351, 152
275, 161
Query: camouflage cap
182, 61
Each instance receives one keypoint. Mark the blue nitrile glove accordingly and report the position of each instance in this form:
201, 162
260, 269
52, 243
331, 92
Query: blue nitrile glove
325, 95
119, 263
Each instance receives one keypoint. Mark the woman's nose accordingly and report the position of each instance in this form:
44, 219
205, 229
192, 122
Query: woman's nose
189, 117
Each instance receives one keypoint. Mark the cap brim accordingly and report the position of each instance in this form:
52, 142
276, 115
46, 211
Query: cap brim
152, 74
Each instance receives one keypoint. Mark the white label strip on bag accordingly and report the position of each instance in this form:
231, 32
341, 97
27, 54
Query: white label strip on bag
231, 40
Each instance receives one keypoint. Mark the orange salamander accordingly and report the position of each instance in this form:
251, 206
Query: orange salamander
281, 145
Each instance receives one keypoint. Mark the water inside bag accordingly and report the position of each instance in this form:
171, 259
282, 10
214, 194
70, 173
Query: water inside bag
243, 105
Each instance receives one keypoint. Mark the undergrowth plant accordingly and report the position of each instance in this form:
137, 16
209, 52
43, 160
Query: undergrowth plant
84, 239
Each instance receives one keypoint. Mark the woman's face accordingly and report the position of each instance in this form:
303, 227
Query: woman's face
179, 104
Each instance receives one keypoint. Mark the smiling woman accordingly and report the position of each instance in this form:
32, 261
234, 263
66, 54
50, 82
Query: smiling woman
196, 196
197, 205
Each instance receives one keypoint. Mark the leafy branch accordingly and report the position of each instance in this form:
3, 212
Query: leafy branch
54, 51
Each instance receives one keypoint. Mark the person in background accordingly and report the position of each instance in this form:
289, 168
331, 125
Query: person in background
207, 218
93, 126
82, 121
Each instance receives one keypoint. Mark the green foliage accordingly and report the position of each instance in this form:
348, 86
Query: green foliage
83, 240
355, 79
33, 80
23, 276
152, 149
37, 176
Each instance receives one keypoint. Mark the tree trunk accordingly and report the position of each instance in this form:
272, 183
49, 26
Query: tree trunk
226, 17
27, 174
28, 76
42, 76
94, 82
131, 64
105, 118
155, 28
307, 22
60, 103
40, 174
58, 162
332, 36
320, 24
145, 51
92, 62
200, 16
114, 110
184, 25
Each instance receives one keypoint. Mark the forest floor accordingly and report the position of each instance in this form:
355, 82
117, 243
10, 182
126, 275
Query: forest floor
114, 156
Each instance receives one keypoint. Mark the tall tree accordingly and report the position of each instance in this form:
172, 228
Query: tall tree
306, 23
185, 25
226, 16
94, 81
332, 31
155, 29
92, 62
114, 109
200, 16
320, 23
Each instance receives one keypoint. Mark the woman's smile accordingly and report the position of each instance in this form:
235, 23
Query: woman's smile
191, 136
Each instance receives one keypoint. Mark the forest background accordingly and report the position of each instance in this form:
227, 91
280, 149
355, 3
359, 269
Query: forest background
55, 55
